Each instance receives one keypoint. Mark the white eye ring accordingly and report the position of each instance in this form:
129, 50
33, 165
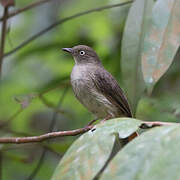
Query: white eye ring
82, 53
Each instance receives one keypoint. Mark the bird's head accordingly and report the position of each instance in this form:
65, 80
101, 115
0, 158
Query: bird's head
83, 54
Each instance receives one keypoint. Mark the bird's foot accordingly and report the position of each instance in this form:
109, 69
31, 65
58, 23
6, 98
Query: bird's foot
106, 118
91, 122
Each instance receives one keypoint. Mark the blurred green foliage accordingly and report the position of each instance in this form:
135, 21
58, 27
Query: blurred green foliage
41, 66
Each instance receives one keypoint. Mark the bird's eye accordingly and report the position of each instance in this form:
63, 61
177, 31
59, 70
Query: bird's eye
82, 53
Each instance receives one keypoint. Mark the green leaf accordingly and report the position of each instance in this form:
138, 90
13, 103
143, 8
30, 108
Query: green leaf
89, 153
153, 155
161, 40
132, 43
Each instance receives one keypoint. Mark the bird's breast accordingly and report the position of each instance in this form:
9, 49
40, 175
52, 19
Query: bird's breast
79, 72
87, 93
81, 80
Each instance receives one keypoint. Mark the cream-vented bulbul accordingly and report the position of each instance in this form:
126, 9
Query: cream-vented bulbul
95, 87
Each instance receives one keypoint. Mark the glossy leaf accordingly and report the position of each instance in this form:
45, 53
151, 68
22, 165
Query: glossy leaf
133, 38
153, 155
161, 40
88, 154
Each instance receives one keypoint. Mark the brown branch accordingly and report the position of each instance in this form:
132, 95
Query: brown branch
3, 37
28, 7
61, 21
34, 139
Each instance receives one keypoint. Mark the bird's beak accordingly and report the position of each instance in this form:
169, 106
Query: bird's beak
69, 50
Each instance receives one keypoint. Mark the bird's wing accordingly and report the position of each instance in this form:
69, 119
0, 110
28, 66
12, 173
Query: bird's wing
108, 86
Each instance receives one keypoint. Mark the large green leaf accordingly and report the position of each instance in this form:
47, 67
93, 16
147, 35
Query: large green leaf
161, 40
152, 156
89, 153
132, 43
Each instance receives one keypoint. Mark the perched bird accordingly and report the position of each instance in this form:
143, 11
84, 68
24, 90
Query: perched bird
95, 87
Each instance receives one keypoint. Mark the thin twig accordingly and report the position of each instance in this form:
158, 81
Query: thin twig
51, 127
28, 7
61, 21
92, 122
33, 139
3, 37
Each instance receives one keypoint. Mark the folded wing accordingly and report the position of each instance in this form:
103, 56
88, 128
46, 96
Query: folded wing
108, 86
